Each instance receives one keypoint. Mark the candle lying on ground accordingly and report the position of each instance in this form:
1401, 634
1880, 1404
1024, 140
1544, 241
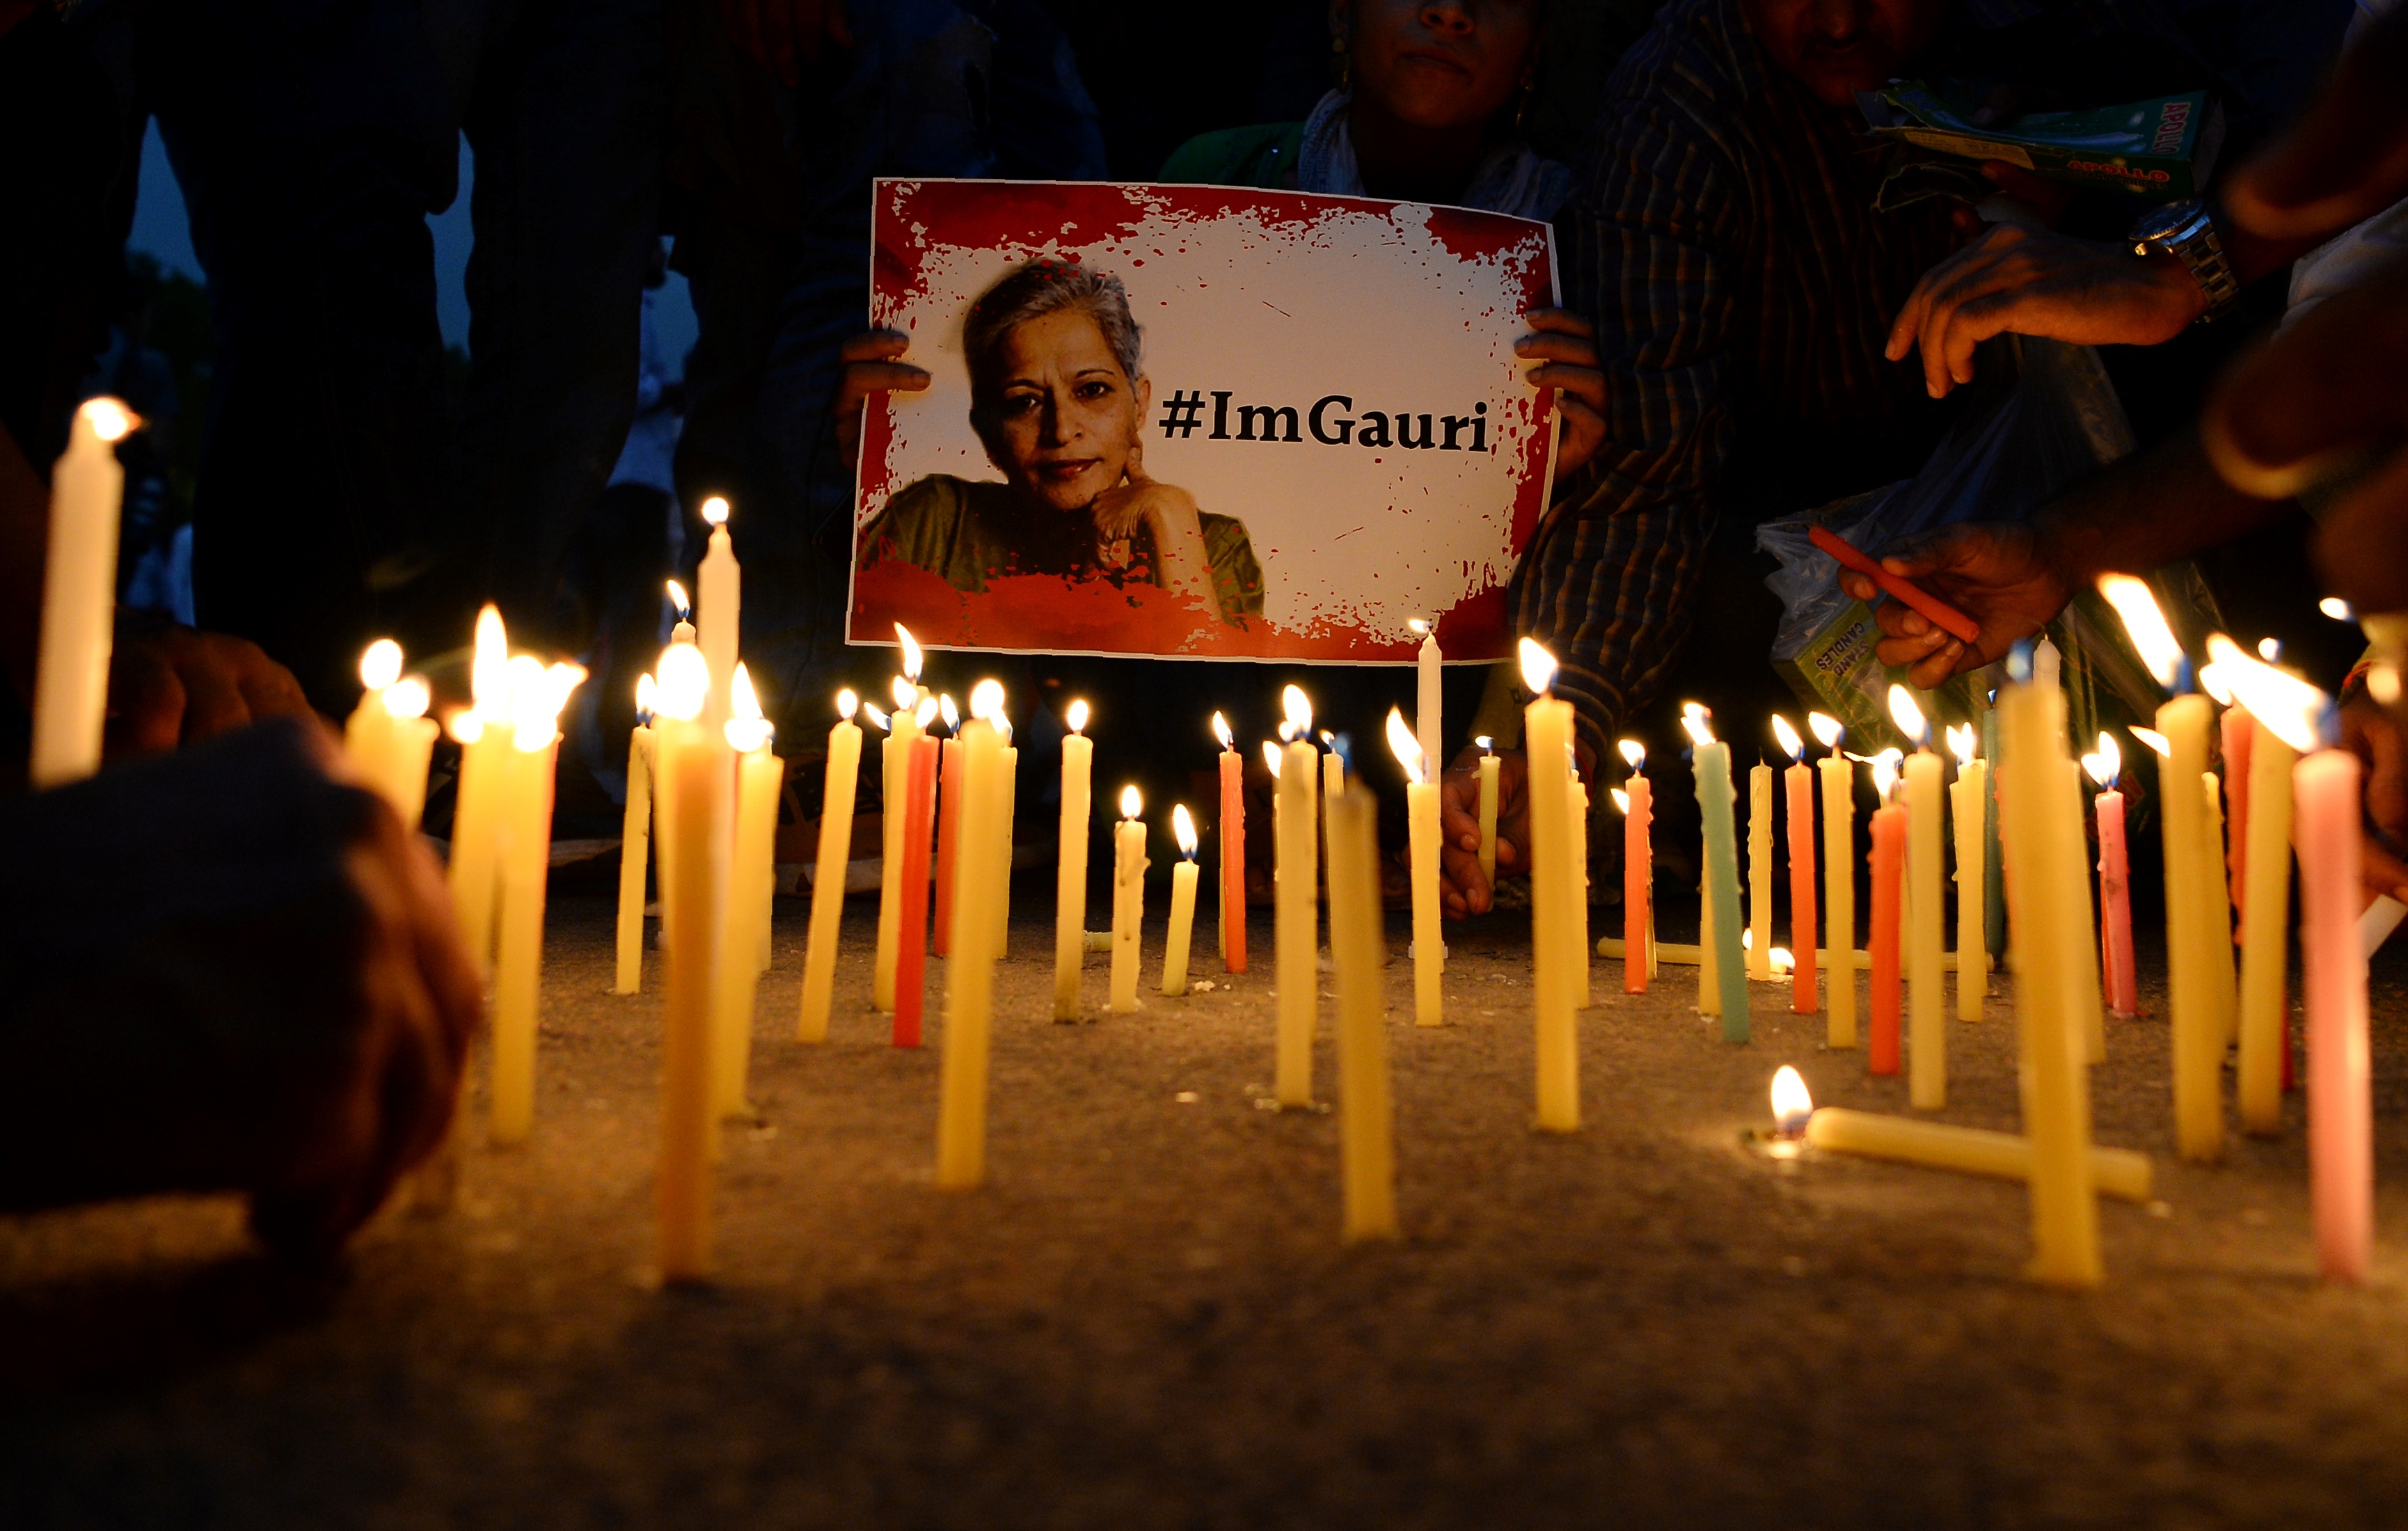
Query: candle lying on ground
1182, 904
1233, 851
694, 862
827, 879
536, 696
79, 595
1637, 803
476, 813
1889, 872
894, 763
752, 870
1129, 899
1071, 867
1547, 736
1298, 904
1367, 1149
970, 990
1797, 782
1838, 778
1489, 765
1966, 795
1683, 954
1972, 1151
635, 845
1421, 822
2121, 983
1927, 1069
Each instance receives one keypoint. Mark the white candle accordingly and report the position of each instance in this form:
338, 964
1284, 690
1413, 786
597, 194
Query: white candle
1422, 825
827, 882
1182, 904
1129, 899
1297, 906
1429, 698
682, 632
720, 585
79, 595
635, 845
1071, 872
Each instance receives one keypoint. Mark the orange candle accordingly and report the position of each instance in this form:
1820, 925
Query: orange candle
911, 951
1890, 875
1799, 781
2114, 883
1233, 852
2240, 732
948, 825
1638, 868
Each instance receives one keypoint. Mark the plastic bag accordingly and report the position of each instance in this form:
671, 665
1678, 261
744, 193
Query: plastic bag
2045, 416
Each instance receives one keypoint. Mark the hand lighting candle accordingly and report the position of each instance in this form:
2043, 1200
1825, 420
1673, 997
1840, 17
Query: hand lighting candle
752, 870
1637, 803
2279, 703
1713, 767
1968, 819
1926, 847
1421, 823
895, 764
949, 825
1839, 779
720, 584
693, 785
1298, 909
475, 814
1367, 1149
2115, 882
635, 845
827, 877
1182, 904
1759, 872
1233, 851
1889, 871
1547, 742
1429, 696
969, 991
79, 595
1071, 870
536, 696
1129, 899
1799, 782
1489, 765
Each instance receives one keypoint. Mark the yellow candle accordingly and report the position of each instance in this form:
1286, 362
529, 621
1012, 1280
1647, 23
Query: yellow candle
1070, 871
827, 883
1366, 1148
1488, 769
1128, 900
1926, 1003
1182, 904
1839, 884
2073, 908
969, 989
1972, 1151
1422, 829
1759, 872
1297, 907
367, 733
1547, 731
635, 845
1710, 988
2218, 899
692, 787
751, 868
2265, 931
1009, 756
1576, 866
2198, 1021
79, 595
719, 585
1966, 795
1430, 695
525, 836
1683, 954
896, 764
476, 813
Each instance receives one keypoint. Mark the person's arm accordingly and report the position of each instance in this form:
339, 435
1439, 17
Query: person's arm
2013, 577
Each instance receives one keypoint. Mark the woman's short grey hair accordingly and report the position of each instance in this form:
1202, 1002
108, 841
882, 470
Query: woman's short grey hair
1045, 287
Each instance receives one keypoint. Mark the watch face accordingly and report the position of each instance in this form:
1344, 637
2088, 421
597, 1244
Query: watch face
2170, 221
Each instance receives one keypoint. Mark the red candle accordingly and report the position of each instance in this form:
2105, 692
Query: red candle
1638, 880
948, 825
1233, 854
2115, 908
1889, 877
1799, 779
2240, 730
2341, 1158
911, 950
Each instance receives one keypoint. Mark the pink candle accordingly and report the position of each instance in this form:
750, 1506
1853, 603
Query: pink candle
1889, 877
1638, 882
2115, 906
1799, 779
1233, 864
2239, 729
911, 951
949, 807
2340, 1155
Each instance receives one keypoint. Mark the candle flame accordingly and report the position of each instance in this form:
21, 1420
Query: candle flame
905, 694
1131, 804
465, 726
1537, 668
714, 510
489, 672
1078, 717
911, 655
2270, 650
1791, 1102
2383, 684
1698, 722
2211, 680
2106, 763
847, 704
1299, 709
407, 697
1182, 826
1827, 730
1962, 742
1407, 749
2154, 739
1221, 731
1782, 963
2337, 609
952, 715
1791, 745
381, 665
644, 699
987, 700
926, 713
1885, 774
2277, 698
1420, 628
1633, 754
1621, 800
677, 599
108, 418
684, 682
1487, 745
1271, 758
746, 728
1909, 717
2151, 636
878, 719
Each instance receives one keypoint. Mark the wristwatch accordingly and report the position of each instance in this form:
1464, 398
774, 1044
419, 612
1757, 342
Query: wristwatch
2184, 230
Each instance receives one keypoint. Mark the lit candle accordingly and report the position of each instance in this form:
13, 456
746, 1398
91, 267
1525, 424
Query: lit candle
1713, 766
1967, 818
969, 991
1710, 991
1333, 770
2114, 882
1182, 904
1421, 823
1430, 692
1970, 1150
1576, 864
719, 584
2276, 701
2198, 1022
476, 813
1547, 736
752, 872
1637, 803
2056, 1086
1129, 899
1798, 784
1839, 779
367, 733
1297, 906
682, 630
389, 739
894, 761
1367, 1149
536, 696
1071, 870
948, 823
1233, 851
1889, 869
79, 595
1007, 759
635, 845
1489, 765
1926, 851
692, 786
911, 920
2341, 1150
827, 880
1759, 871
2239, 731
2226, 984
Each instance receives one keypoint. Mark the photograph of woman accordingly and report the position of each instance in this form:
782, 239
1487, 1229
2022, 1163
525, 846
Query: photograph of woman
1059, 399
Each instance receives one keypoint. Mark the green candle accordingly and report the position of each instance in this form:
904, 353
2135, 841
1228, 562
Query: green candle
1712, 771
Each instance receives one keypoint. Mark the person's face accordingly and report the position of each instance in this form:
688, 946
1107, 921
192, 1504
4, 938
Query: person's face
1840, 47
1438, 63
1057, 414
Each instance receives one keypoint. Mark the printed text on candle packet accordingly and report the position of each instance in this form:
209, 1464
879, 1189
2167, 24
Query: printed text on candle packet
1330, 421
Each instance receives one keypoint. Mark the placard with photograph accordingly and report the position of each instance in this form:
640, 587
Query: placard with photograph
1199, 423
